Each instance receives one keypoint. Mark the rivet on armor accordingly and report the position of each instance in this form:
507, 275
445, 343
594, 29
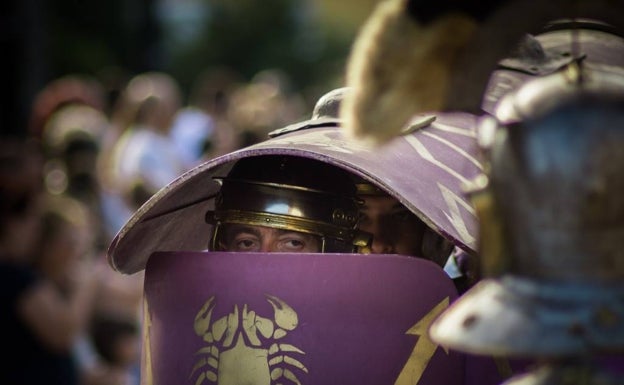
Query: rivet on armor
470, 321
338, 216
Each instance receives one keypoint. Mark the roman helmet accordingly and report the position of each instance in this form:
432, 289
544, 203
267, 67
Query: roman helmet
290, 193
551, 49
552, 219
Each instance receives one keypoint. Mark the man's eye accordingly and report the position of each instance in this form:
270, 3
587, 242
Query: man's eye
295, 243
292, 244
245, 244
363, 219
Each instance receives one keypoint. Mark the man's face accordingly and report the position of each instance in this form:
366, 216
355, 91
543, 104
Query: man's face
395, 229
248, 238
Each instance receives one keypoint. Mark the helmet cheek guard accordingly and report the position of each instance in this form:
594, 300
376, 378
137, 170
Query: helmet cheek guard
290, 193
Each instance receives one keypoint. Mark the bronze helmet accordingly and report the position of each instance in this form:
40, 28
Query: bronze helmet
291, 193
552, 221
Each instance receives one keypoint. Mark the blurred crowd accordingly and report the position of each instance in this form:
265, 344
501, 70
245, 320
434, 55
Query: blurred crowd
92, 155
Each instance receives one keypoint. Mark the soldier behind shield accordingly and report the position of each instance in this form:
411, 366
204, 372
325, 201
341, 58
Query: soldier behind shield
394, 228
280, 203
397, 230
350, 318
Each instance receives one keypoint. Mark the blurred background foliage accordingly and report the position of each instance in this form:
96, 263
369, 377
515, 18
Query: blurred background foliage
309, 40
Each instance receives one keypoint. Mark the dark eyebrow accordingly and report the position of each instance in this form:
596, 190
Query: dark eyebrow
307, 236
286, 231
236, 228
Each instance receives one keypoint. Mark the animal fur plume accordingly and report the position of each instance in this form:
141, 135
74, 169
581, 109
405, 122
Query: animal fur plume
399, 67
415, 56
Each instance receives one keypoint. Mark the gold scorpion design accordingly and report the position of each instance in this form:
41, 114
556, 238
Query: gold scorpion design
235, 353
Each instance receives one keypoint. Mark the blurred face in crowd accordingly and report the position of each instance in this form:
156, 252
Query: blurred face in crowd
20, 229
395, 229
248, 238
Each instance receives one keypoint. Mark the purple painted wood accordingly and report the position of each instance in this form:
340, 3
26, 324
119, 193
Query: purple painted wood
353, 319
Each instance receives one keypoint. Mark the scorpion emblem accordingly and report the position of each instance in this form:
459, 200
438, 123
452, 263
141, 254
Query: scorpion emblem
236, 352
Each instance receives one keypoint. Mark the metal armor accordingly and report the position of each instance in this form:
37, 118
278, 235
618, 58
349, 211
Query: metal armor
552, 216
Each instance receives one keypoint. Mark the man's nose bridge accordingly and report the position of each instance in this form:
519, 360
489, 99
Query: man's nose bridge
265, 247
382, 240
376, 225
268, 244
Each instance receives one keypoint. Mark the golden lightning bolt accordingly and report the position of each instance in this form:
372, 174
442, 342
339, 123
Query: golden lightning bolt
424, 348
147, 372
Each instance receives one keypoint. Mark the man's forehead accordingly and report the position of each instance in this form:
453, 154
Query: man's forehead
255, 229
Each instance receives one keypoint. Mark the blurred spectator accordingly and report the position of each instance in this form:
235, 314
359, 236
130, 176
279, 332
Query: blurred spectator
69, 89
65, 249
201, 130
117, 294
118, 341
113, 79
143, 158
41, 318
212, 90
65, 257
192, 133
268, 101
72, 139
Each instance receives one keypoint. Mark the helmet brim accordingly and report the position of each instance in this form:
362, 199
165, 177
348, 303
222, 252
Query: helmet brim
425, 169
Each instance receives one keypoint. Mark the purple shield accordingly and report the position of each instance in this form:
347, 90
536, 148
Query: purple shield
269, 318
425, 169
